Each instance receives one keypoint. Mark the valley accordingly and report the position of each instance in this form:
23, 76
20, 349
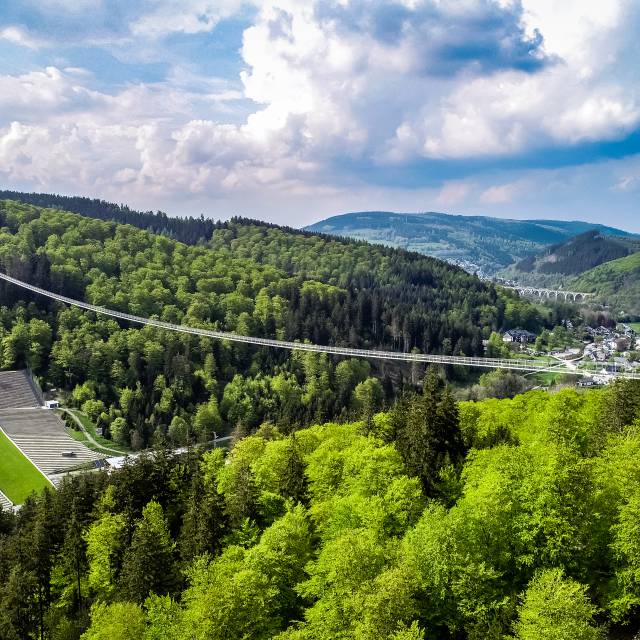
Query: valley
319, 320
522, 254
163, 349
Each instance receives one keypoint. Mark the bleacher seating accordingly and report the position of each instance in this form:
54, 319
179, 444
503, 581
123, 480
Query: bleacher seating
17, 390
5, 502
41, 436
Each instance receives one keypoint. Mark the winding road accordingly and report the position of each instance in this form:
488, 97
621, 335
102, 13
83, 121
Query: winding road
90, 438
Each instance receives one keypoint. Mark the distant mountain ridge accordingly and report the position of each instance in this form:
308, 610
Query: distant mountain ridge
489, 244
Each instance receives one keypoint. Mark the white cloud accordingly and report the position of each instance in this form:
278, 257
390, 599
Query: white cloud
576, 30
184, 16
330, 86
141, 137
627, 178
574, 99
45, 93
510, 112
596, 117
19, 36
453, 193
627, 183
501, 194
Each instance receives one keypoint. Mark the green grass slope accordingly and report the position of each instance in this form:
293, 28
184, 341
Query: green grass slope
616, 283
18, 476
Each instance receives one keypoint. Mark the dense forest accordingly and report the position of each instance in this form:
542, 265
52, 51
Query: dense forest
484, 520
189, 230
146, 385
354, 502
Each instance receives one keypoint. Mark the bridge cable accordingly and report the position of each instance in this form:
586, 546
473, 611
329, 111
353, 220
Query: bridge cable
465, 361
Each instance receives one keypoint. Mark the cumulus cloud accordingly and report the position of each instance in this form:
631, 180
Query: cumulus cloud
508, 113
569, 101
399, 82
326, 89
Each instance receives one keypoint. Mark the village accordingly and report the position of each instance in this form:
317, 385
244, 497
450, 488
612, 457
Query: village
611, 348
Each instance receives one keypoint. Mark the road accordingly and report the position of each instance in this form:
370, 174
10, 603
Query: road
88, 435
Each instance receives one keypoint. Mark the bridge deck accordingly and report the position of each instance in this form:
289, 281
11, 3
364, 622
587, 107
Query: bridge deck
541, 292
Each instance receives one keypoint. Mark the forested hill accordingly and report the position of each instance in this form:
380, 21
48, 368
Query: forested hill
615, 283
579, 254
256, 280
189, 230
488, 243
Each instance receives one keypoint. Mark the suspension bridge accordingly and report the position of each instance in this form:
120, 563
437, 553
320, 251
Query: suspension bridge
514, 364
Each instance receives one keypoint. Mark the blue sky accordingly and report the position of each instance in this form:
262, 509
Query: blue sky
291, 111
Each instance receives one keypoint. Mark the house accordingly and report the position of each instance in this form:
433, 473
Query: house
622, 344
519, 335
604, 377
627, 331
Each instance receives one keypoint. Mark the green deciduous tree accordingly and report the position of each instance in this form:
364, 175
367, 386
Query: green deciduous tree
105, 539
626, 547
556, 608
117, 621
207, 420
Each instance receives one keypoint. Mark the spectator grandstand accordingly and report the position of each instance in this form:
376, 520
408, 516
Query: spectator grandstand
38, 432
18, 391
40, 435
5, 503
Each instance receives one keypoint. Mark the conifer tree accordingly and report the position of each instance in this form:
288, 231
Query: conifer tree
293, 483
622, 405
430, 437
18, 615
149, 565
204, 523
74, 560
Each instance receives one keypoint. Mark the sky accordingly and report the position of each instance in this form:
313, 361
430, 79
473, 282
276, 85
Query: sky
295, 110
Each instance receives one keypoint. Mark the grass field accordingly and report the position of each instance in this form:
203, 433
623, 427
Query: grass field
18, 477
635, 326
545, 378
91, 428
